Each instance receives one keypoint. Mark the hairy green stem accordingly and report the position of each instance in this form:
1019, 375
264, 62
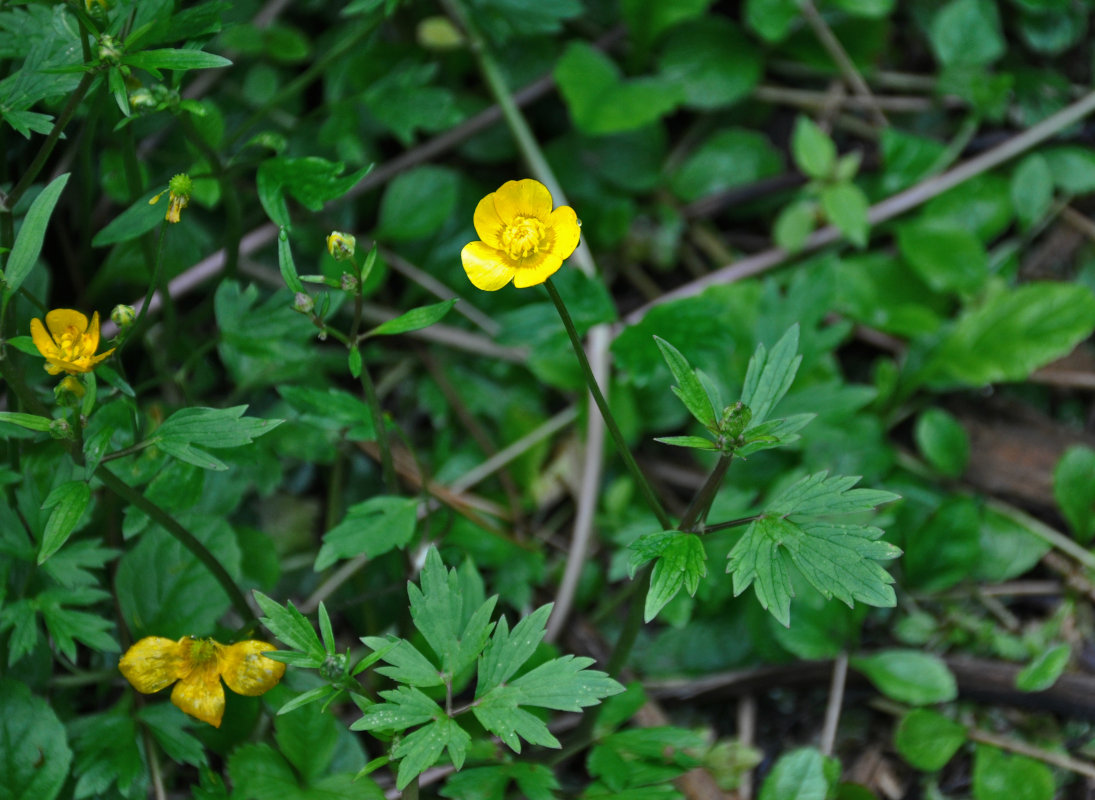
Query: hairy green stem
606, 413
183, 537
695, 512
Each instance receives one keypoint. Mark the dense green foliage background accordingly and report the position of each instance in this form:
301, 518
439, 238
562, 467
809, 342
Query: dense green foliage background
892, 200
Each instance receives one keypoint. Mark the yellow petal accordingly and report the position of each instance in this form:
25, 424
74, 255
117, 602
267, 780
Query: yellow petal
488, 225
42, 340
488, 269
201, 695
563, 223
91, 337
525, 198
152, 664
247, 671
61, 319
536, 273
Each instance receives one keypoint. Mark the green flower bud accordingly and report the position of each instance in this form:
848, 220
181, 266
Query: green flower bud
60, 429
333, 667
348, 282
123, 316
303, 303
735, 419
110, 50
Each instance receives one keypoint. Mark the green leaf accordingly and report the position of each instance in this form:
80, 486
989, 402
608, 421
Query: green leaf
170, 730
711, 62
408, 665
845, 206
69, 501
967, 33
507, 652
819, 494
308, 740
1031, 190
312, 181
28, 243
1043, 671
1008, 547
422, 749
729, 158
417, 203
164, 590
413, 320
455, 629
304, 698
403, 707
209, 427
353, 363
943, 441
946, 548
838, 560
175, 59
909, 676
534, 782
772, 19
107, 755
1072, 168
688, 388
812, 149
647, 19
928, 740
1010, 334
34, 752
682, 563
601, 101
695, 442
794, 225
1074, 490
564, 684
135, 221
947, 257
799, 774
31, 422
371, 529
770, 375
285, 262
999, 776
332, 409
773, 433
290, 626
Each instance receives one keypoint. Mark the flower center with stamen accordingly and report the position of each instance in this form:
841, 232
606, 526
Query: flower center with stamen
71, 344
202, 651
523, 237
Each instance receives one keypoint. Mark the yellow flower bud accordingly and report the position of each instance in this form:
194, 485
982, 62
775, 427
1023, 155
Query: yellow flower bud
341, 245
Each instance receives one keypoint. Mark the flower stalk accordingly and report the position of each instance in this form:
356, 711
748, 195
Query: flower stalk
606, 413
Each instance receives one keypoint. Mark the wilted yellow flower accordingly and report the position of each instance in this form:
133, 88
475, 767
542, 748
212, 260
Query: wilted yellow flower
523, 240
178, 196
154, 663
70, 344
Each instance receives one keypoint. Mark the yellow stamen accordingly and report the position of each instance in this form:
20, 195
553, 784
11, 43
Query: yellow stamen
523, 237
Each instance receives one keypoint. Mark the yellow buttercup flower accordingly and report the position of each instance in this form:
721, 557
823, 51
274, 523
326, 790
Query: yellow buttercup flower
70, 343
523, 240
154, 663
